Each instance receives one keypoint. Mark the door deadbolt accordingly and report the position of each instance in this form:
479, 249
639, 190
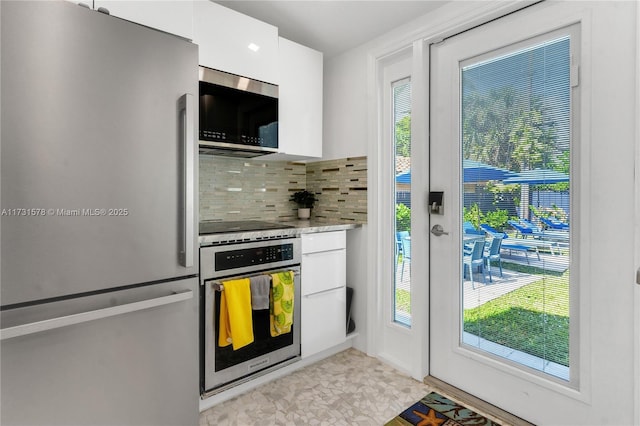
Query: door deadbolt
437, 230
436, 205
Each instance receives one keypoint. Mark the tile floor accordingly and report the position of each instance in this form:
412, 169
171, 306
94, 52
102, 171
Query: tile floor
348, 388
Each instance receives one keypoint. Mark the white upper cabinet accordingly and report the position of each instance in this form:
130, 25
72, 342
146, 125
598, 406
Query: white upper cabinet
171, 16
300, 100
235, 43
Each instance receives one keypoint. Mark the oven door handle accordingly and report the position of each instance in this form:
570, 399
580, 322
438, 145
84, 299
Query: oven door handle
218, 285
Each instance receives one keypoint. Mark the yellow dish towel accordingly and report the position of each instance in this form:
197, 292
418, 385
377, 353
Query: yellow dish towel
281, 303
236, 325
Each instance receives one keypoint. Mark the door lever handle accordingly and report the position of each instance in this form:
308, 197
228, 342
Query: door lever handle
438, 231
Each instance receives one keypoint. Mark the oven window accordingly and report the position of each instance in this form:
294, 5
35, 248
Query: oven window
263, 342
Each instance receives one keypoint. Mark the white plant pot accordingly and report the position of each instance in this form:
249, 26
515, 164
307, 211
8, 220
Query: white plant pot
304, 213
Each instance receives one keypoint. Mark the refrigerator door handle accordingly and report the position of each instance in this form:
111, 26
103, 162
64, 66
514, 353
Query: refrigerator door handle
38, 326
188, 179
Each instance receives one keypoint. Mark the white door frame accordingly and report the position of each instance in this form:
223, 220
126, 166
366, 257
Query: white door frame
395, 343
637, 221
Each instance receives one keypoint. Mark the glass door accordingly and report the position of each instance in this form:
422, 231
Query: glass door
516, 234
401, 99
512, 280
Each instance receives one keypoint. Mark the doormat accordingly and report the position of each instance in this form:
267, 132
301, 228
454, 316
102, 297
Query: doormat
435, 410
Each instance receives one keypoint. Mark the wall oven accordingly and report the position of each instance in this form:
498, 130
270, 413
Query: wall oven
223, 367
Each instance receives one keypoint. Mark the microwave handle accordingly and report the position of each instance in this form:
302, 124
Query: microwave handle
185, 105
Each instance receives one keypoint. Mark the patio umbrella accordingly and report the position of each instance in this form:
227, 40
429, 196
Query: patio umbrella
404, 177
535, 177
538, 177
474, 171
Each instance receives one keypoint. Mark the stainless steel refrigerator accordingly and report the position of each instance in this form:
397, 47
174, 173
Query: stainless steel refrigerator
99, 251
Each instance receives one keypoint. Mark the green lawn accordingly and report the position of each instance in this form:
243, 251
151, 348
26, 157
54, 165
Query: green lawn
403, 301
532, 319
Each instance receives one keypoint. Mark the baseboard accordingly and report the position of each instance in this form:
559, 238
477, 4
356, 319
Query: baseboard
474, 402
394, 363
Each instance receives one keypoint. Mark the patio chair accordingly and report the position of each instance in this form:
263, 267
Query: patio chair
468, 228
493, 253
553, 223
492, 231
520, 228
399, 236
544, 238
512, 244
406, 254
525, 228
535, 229
475, 259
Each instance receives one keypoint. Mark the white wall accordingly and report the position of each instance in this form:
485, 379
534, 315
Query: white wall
347, 93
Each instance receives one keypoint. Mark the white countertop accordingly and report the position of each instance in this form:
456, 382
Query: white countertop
299, 227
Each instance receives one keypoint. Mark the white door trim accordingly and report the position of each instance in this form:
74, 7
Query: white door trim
396, 344
637, 222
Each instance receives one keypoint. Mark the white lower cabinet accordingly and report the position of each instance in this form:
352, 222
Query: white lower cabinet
323, 320
324, 298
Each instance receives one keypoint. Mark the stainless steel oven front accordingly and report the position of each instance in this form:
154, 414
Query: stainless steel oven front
223, 367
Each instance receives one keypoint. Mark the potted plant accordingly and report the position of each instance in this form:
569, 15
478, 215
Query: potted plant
305, 200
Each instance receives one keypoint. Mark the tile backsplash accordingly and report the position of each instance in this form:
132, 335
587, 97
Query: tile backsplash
243, 189
341, 189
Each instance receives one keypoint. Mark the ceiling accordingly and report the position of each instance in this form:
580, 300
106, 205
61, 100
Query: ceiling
333, 26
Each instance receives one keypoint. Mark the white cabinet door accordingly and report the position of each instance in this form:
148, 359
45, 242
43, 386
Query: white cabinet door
235, 43
323, 320
171, 16
323, 271
300, 103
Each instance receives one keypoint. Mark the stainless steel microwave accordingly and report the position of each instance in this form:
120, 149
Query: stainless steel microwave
238, 116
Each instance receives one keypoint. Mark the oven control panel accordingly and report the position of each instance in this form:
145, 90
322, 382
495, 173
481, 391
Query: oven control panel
240, 258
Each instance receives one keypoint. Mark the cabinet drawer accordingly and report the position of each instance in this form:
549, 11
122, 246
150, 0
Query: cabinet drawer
323, 241
323, 271
323, 323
